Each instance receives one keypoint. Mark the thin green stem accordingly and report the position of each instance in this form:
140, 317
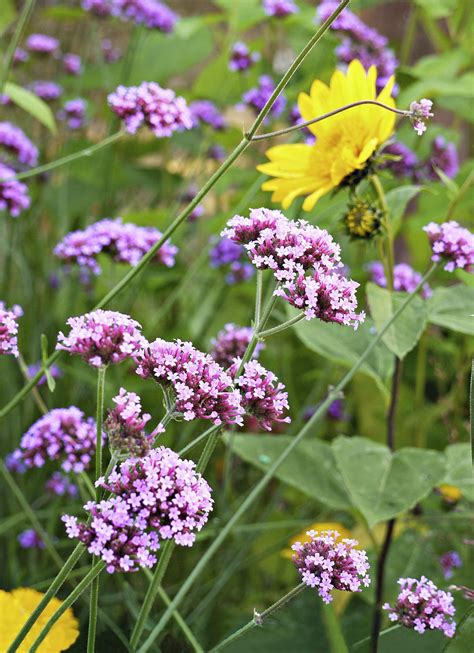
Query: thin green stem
187, 632
383, 632
258, 297
389, 263
261, 485
337, 643
468, 183
197, 440
36, 395
20, 28
409, 36
471, 413
281, 327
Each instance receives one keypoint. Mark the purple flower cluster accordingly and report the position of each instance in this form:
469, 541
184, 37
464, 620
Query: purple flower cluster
72, 64
197, 386
125, 243
405, 278
150, 13
73, 113
406, 162
158, 497
256, 98
125, 425
30, 539
443, 157
328, 563
60, 485
449, 561
109, 52
102, 337
279, 8
421, 605
42, 44
46, 90
335, 411
63, 434
54, 371
9, 328
16, 142
227, 253
451, 244
231, 342
361, 42
20, 56
152, 105
420, 112
241, 58
13, 194
205, 111
263, 396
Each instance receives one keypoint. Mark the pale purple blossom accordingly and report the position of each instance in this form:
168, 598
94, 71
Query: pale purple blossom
231, 342
110, 53
406, 162
449, 561
280, 8
60, 485
444, 157
20, 56
420, 113
241, 58
452, 244
46, 90
405, 278
13, 193
150, 13
205, 111
73, 113
72, 63
256, 98
125, 425
421, 606
16, 143
100, 8
232, 256
9, 328
42, 44
30, 539
328, 563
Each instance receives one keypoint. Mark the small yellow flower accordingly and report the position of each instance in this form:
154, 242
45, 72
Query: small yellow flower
450, 493
317, 526
362, 220
344, 143
15, 608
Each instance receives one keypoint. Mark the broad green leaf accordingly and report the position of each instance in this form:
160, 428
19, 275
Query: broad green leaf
344, 345
397, 200
403, 335
309, 468
242, 14
440, 65
437, 8
382, 484
459, 468
31, 103
463, 641
453, 308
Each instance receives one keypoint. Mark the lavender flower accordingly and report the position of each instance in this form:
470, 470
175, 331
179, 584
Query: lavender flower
420, 112
30, 539
406, 162
100, 8
73, 113
216, 152
60, 485
241, 58
263, 396
228, 253
452, 244
109, 52
72, 64
13, 194
421, 605
152, 105
279, 8
195, 384
405, 278
9, 328
150, 13
125, 425
42, 44
20, 56
63, 434
16, 142
449, 561
54, 371
326, 563
239, 273
335, 411
231, 343
205, 111
102, 337
443, 157
158, 497
46, 90
256, 98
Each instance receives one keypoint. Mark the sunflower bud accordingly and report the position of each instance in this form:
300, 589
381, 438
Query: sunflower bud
363, 220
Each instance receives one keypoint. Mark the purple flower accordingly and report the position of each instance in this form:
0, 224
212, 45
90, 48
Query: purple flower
46, 90
125, 425
195, 384
224, 252
279, 8
451, 244
16, 142
100, 8
60, 485
72, 64
204, 111
150, 13
216, 152
327, 563
241, 58
152, 105
9, 328
421, 606
158, 497
53, 370
20, 56
420, 112
324, 295
109, 52
239, 273
30, 539
42, 44
256, 98
405, 278
63, 434
102, 337
443, 157
73, 113
231, 343
449, 561
13, 194
125, 243
263, 396
334, 412
406, 162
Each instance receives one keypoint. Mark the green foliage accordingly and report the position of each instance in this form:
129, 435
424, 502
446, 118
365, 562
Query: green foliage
459, 470
464, 638
453, 308
32, 104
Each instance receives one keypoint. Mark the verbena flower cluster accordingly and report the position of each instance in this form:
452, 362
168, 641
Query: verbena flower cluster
452, 244
110, 53
9, 328
443, 157
198, 387
450, 561
420, 113
16, 143
13, 193
124, 242
327, 563
158, 497
226, 253
42, 44
60, 485
405, 278
205, 111
150, 13
125, 425
256, 98
102, 337
149, 104
46, 89
30, 539
422, 606
406, 162
263, 396
231, 342
279, 8
72, 63
241, 58
73, 113
63, 434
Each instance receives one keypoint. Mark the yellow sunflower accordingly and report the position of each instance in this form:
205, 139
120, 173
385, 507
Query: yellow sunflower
344, 143
15, 608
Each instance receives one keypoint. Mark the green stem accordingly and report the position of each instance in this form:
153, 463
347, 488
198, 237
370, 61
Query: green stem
259, 618
389, 264
22, 22
261, 485
258, 297
471, 413
281, 327
197, 440
337, 643
36, 395
409, 37
187, 632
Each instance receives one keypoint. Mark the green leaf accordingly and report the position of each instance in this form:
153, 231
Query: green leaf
309, 468
382, 484
403, 335
459, 468
397, 200
438, 8
464, 638
31, 103
453, 308
343, 345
